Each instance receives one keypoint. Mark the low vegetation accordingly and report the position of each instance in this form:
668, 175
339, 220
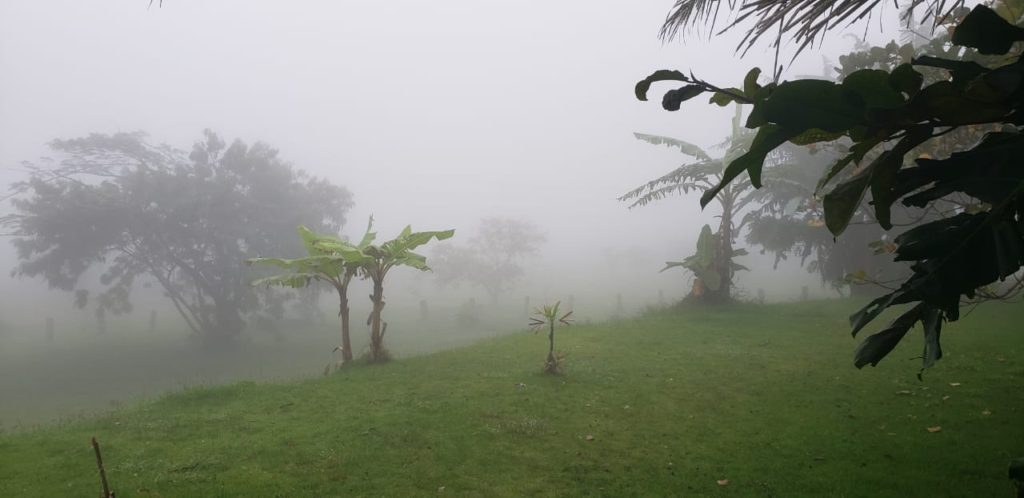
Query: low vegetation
548, 317
730, 401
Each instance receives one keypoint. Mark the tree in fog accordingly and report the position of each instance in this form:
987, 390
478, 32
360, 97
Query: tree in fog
187, 221
880, 119
713, 263
375, 261
336, 266
787, 221
493, 258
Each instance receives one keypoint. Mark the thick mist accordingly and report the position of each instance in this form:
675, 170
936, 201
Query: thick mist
436, 115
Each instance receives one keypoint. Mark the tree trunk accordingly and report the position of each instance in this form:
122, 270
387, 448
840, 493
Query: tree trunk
377, 352
343, 312
723, 252
723, 246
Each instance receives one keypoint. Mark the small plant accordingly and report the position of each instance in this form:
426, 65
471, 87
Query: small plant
548, 315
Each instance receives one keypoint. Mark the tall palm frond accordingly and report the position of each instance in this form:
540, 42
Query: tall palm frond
683, 146
805, 20
697, 176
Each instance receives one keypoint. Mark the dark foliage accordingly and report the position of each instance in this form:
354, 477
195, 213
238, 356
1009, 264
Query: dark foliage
886, 115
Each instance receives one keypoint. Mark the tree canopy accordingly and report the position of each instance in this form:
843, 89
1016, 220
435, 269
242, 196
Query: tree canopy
187, 221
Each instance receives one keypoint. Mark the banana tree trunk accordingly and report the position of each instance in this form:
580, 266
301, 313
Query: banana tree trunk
346, 343
723, 250
376, 329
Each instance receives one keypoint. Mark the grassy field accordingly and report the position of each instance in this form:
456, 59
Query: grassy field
668, 404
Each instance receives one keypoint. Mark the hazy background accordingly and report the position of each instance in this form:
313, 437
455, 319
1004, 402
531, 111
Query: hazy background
432, 113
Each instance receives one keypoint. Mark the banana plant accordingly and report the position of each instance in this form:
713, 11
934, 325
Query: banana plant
548, 315
706, 266
702, 176
329, 260
375, 262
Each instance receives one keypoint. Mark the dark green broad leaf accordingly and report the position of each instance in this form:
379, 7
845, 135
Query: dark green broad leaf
809, 104
880, 344
750, 85
661, 75
996, 86
986, 31
962, 71
868, 313
874, 88
945, 103
768, 138
1017, 470
1009, 247
844, 200
931, 319
990, 172
673, 98
905, 79
814, 136
885, 169
856, 154
723, 99
933, 239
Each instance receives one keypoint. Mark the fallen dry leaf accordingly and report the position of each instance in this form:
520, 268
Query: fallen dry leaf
935, 429
723, 482
590, 437
944, 398
954, 384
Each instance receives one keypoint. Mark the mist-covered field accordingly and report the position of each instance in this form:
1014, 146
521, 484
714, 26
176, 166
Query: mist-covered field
676, 402
81, 372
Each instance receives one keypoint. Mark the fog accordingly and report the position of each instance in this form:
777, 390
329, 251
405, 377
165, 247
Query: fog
434, 114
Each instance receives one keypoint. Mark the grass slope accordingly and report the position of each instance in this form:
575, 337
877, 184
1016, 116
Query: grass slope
765, 397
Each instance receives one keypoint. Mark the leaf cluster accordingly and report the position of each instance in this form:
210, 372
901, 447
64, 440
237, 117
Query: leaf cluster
548, 314
704, 264
894, 112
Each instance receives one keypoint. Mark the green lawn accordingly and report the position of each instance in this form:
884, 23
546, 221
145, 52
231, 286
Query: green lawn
665, 405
